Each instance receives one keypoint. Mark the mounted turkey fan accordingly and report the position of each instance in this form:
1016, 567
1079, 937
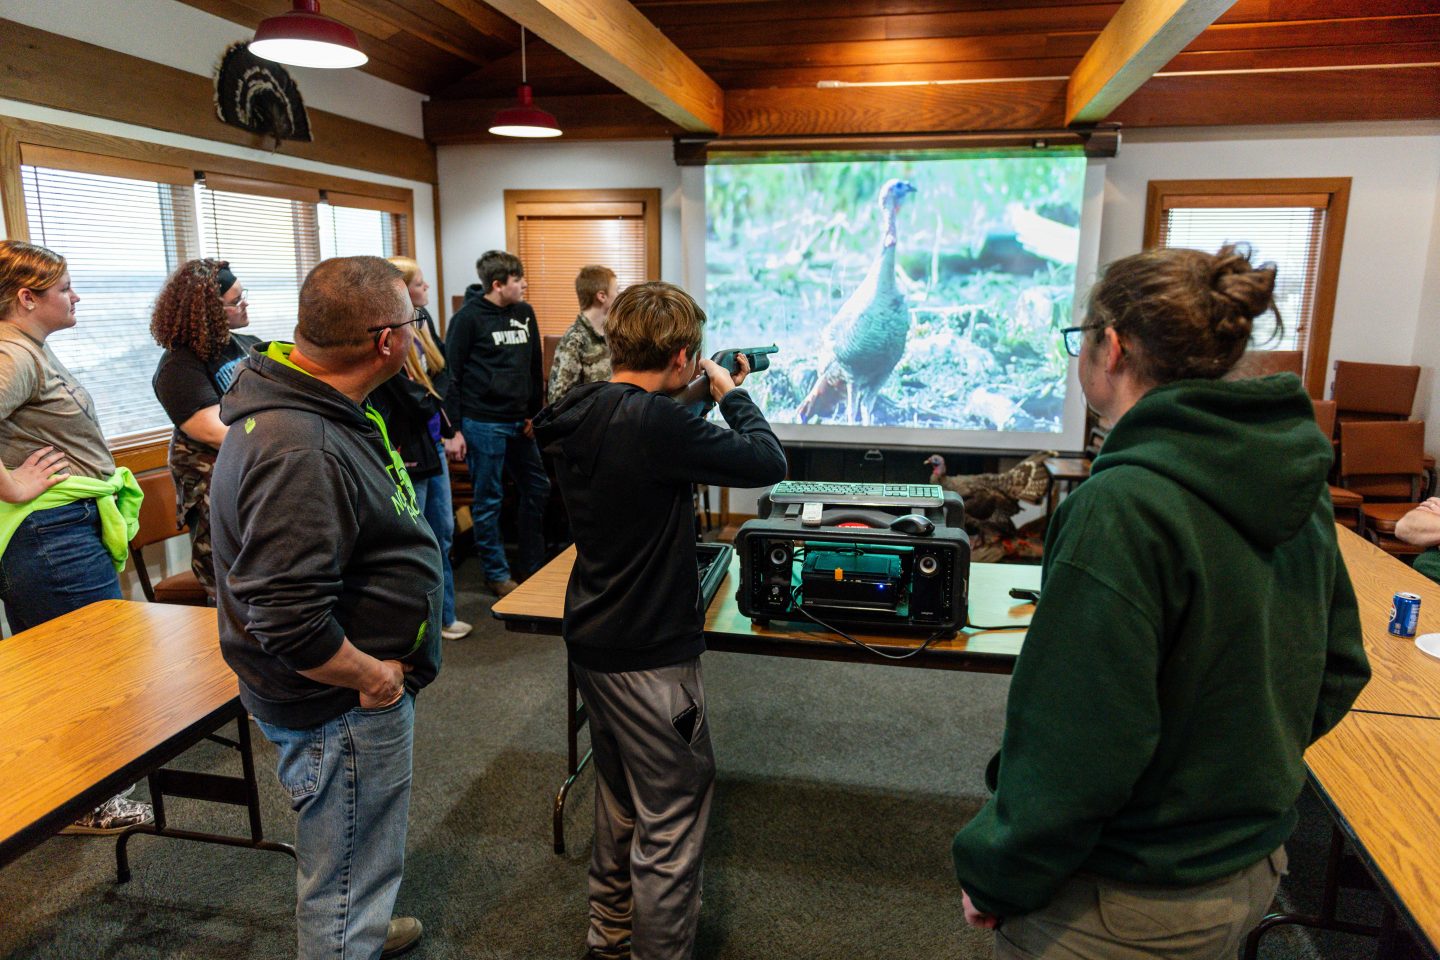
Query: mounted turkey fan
259, 96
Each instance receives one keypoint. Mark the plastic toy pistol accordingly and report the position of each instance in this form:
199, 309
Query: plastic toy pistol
759, 358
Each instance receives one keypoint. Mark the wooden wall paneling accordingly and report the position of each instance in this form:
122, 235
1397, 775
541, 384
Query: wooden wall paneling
1318, 96
12, 193
483, 19
56, 71
103, 144
1142, 37
614, 40
1025, 105
1318, 33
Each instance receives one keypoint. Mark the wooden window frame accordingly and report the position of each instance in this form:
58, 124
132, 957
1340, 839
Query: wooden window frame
583, 204
122, 157
1306, 191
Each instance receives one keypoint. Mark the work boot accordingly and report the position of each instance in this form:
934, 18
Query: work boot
502, 588
404, 933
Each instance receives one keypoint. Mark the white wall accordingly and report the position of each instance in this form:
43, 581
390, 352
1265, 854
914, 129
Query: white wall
180, 36
1427, 335
474, 178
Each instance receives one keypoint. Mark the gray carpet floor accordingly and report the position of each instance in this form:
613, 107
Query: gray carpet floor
839, 788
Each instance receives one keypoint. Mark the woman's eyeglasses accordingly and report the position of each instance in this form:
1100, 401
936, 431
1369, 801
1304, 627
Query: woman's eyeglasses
240, 301
1074, 338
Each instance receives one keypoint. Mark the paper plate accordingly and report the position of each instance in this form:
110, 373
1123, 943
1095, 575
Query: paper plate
1429, 643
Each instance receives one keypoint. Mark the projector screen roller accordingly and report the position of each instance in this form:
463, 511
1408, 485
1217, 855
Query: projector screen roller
915, 302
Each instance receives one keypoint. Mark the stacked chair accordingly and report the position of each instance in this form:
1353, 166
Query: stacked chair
1381, 467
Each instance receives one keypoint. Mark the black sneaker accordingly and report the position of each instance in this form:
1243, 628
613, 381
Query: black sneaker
115, 815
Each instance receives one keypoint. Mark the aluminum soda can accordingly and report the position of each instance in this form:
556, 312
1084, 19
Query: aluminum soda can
1404, 614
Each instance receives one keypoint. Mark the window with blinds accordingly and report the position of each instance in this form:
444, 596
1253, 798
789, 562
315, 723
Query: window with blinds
553, 249
121, 238
1287, 236
1295, 224
556, 232
124, 226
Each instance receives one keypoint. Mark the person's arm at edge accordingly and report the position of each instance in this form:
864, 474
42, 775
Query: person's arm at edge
458, 341
206, 426
379, 682
1421, 526
1347, 669
1090, 661
563, 374
537, 367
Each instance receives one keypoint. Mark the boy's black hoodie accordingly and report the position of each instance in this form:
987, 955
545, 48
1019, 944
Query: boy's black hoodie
494, 357
316, 539
625, 459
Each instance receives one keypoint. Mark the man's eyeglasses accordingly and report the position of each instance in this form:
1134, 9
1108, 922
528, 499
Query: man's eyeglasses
415, 322
1074, 338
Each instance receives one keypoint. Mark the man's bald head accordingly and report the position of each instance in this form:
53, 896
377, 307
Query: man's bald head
343, 300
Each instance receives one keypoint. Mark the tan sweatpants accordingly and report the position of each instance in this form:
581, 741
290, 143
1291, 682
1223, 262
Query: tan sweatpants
1096, 919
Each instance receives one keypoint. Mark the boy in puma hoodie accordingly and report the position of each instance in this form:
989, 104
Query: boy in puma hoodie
626, 455
496, 387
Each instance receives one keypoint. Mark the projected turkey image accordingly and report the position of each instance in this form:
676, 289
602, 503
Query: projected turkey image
902, 293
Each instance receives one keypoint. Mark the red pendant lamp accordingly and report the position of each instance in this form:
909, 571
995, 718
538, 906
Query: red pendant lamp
305, 37
524, 119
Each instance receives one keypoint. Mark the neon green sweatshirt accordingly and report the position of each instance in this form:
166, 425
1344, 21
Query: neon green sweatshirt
118, 498
1196, 631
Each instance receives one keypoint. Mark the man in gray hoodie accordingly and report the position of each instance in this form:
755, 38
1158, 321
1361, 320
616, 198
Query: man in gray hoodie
328, 585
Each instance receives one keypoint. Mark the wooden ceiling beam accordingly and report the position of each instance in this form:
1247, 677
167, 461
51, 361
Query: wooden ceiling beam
613, 39
1142, 37
613, 116
485, 20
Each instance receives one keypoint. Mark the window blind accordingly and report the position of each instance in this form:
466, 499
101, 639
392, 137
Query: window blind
554, 248
356, 232
272, 242
121, 238
1288, 236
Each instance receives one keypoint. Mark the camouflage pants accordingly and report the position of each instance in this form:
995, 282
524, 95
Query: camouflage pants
190, 466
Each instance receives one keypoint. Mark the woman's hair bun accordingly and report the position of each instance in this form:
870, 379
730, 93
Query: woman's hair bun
1248, 291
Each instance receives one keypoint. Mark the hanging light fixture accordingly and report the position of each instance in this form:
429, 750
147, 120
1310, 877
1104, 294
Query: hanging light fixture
524, 119
305, 37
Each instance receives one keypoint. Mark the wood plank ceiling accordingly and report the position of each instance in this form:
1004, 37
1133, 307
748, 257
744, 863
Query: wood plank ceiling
987, 64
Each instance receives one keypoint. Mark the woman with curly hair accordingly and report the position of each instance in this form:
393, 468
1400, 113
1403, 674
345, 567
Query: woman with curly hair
195, 319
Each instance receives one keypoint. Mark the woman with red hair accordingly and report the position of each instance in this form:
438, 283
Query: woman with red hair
195, 319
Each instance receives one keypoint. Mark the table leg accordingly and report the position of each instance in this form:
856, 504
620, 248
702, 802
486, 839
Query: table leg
575, 720
1329, 900
240, 791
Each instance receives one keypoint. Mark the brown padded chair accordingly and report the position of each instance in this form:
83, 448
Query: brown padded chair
1384, 461
157, 524
1347, 502
1373, 391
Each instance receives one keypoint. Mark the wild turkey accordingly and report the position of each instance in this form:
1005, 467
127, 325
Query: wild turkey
991, 499
866, 338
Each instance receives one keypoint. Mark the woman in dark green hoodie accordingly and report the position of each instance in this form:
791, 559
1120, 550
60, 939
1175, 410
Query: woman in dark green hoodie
1196, 631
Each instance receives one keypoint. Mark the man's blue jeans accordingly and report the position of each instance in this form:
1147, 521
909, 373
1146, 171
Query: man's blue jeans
55, 563
349, 780
433, 497
491, 447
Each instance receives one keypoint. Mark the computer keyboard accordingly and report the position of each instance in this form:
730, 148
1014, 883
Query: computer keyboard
860, 494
